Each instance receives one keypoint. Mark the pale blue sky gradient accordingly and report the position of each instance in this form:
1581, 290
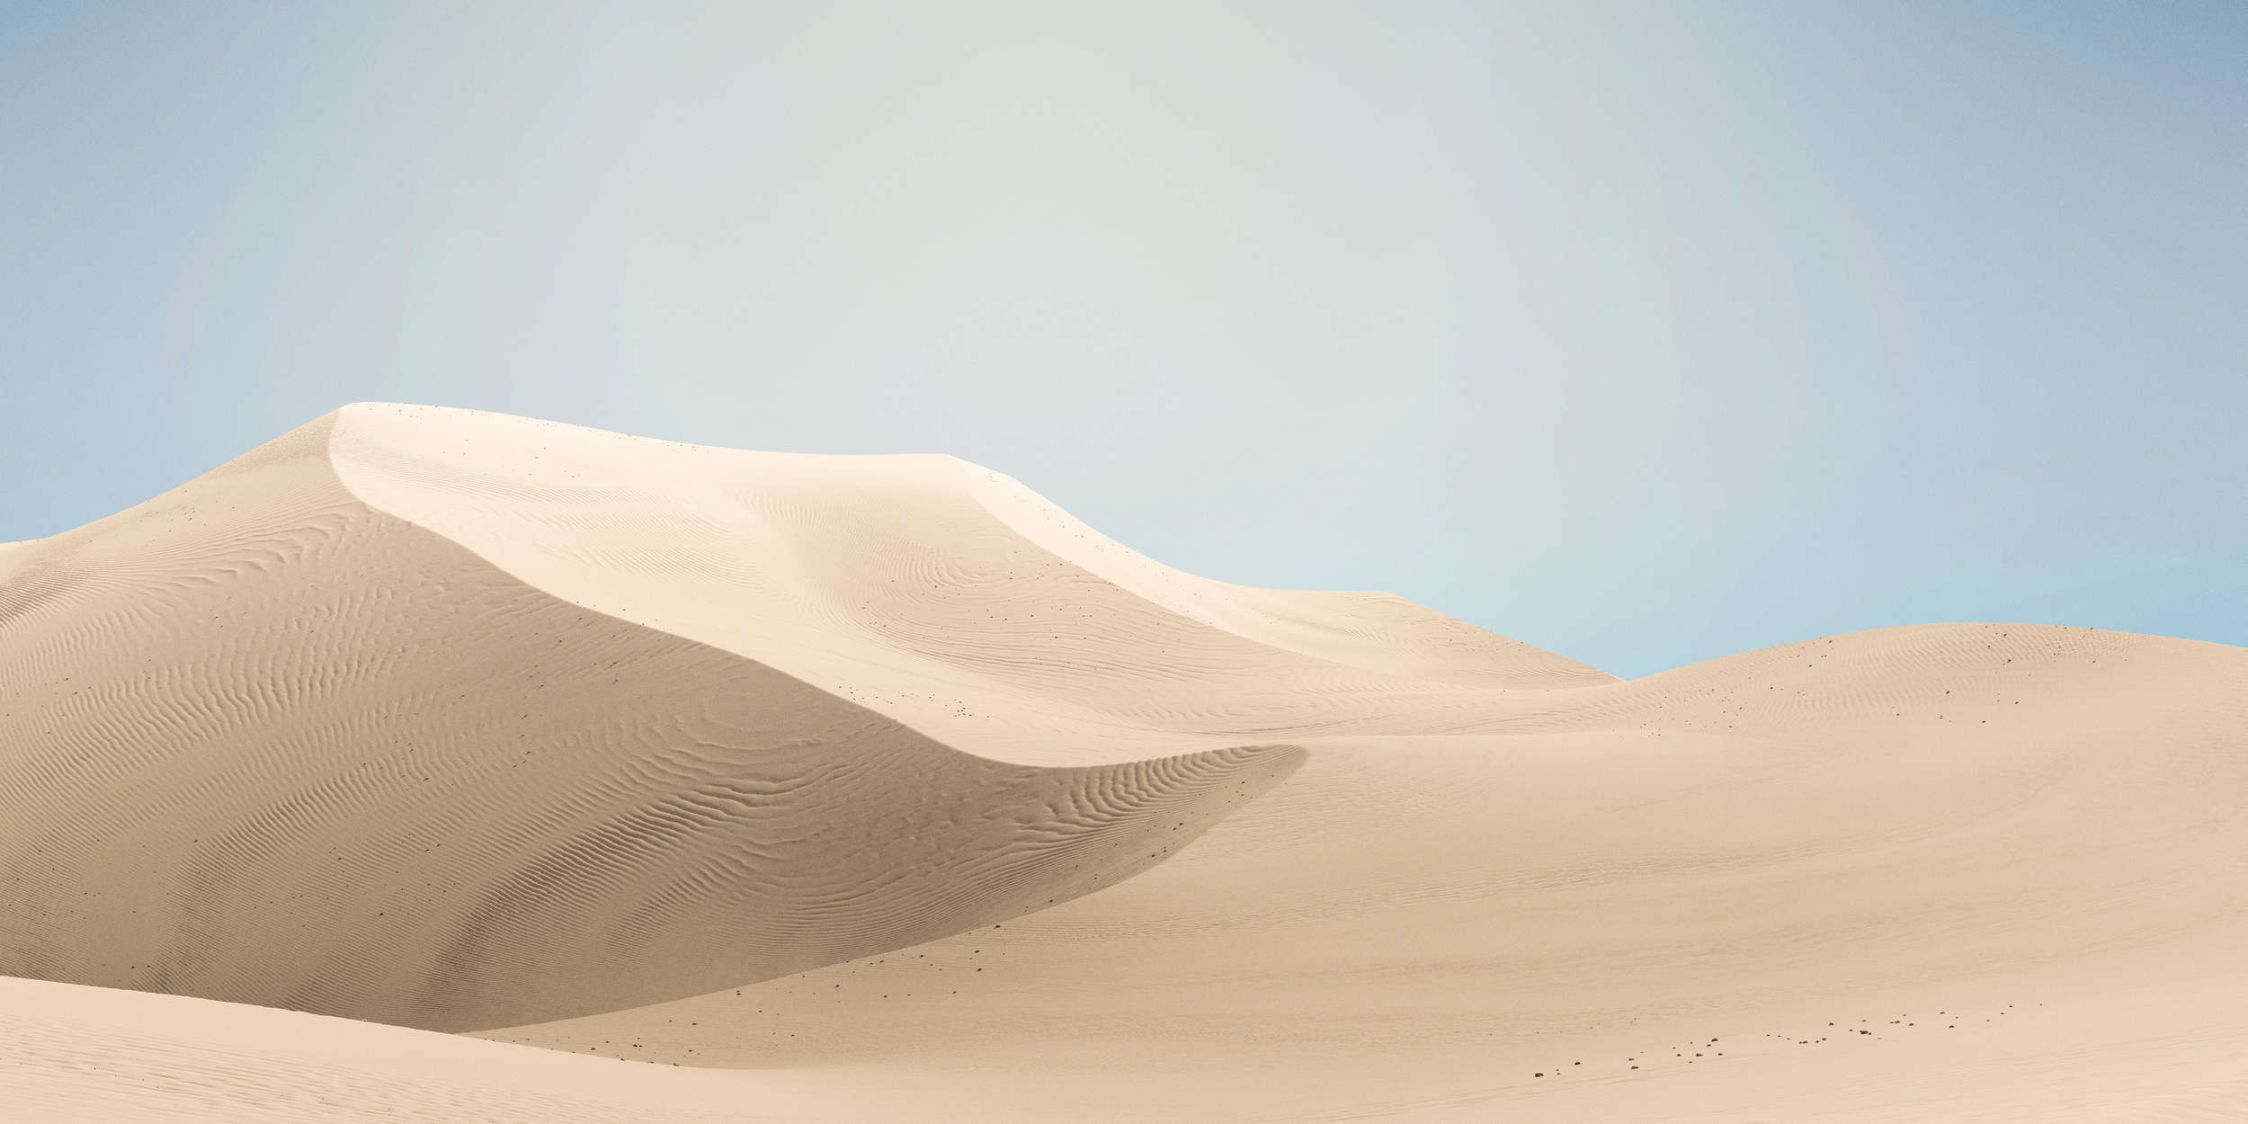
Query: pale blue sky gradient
1643, 332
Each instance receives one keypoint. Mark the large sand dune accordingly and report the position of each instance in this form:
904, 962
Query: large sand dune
807, 774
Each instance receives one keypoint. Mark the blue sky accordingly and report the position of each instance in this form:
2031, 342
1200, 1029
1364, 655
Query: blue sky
1646, 333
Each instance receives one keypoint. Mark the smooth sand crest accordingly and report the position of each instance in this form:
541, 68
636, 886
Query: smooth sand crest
1953, 872
941, 594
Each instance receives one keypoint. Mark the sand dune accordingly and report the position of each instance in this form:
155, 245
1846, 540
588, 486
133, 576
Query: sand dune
863, 788
270, 745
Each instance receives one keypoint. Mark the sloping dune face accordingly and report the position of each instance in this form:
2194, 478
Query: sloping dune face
940, 593
261, 742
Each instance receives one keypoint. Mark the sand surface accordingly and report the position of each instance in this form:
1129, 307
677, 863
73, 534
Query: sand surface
879, 788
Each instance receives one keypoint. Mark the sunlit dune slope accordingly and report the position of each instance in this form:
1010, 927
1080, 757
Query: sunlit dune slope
937, 592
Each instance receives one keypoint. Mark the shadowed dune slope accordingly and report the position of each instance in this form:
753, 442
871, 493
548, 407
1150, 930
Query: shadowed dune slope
259, 742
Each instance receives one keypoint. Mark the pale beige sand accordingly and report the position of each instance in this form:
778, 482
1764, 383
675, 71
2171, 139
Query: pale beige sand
690, 719
92, 1055
941, 594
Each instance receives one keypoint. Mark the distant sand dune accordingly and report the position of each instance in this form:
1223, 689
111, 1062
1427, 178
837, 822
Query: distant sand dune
862, 788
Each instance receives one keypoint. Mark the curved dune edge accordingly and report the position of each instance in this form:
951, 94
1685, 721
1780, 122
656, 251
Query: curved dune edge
1379, 632
264, 744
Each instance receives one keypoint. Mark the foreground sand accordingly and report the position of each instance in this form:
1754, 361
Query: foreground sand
807, 775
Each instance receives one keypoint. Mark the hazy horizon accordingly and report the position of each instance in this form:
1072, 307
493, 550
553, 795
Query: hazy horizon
1643, 334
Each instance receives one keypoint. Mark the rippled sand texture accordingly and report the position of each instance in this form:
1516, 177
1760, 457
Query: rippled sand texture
800, 774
